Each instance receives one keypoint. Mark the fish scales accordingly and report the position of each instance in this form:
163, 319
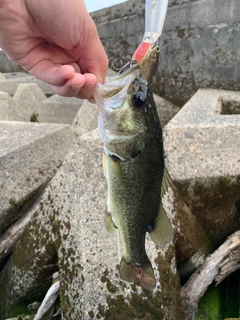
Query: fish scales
134, 165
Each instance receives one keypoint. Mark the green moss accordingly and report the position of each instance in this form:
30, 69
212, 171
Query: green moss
19, 310
101, 310
91, 314
230, 107
17, 208
212, 202
232, 295
184, 32
34, 117
65, 303
12, 202
211, 305
170, 297
198, 188
110, 286
224, 183
117, 306
145, 305
56, 224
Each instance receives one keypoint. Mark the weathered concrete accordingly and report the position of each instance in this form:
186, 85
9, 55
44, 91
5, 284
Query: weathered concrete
199, 44
57, 109
29, 103
86, 119
202, 153
10, 81
200, 141
30, 154
68, 227
8, 66
27, 100
165, 109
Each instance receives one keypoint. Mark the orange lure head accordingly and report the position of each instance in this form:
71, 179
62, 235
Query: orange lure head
147, 55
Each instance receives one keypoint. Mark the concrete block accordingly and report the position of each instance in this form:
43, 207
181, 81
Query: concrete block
6, 106
28, 93
202, 155
30, 154
13, 79
70, 219
6, 65
165, 109
86, 119
29, 103
201, 141
57, 109
199, 44
24, 104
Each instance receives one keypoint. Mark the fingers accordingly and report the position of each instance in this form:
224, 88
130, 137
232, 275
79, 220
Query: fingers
97, 63
80, 86
55, 74
65, 80
93, 58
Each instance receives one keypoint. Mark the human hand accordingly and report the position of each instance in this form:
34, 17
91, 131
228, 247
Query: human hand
56, 41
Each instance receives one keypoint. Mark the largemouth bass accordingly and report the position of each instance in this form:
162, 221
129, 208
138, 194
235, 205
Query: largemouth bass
134, 165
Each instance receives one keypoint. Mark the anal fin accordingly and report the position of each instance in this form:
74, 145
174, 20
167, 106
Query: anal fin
166, 182
162, 232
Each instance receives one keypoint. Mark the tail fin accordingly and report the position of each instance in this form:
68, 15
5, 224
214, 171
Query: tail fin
131, 272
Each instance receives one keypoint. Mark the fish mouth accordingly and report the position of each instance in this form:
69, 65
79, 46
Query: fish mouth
118, 137
115, 87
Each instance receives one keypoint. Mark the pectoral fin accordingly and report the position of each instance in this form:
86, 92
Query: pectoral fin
162, 232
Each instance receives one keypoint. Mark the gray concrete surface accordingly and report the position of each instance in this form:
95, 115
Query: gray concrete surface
29, 103
70, 221
9, 82
86, 119
30, 154
202, 156
199, 44
200, 141
58, 109
8, 66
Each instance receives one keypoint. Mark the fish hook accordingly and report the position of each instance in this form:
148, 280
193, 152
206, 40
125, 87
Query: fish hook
124, 67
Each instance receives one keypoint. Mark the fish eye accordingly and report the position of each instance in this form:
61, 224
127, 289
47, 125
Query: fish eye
158, 48
138, 99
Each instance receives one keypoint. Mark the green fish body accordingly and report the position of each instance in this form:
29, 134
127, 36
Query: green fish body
134, 166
